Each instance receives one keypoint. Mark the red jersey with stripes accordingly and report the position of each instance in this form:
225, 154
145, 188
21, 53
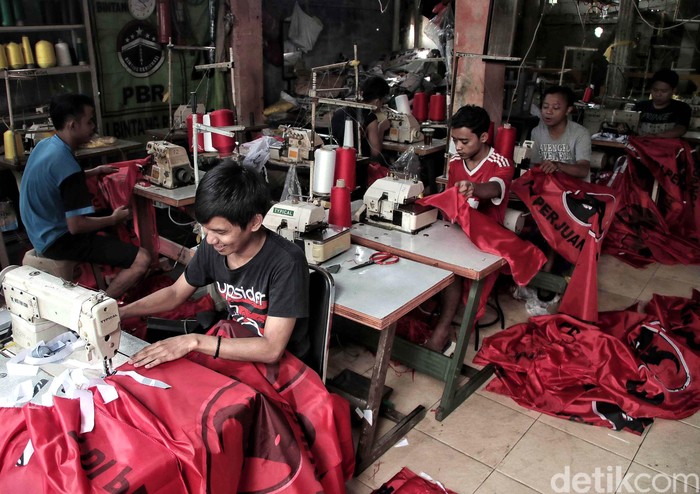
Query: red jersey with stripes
493, 168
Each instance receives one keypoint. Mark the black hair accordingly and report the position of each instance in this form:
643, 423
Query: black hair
668, 76
233, 192
374, 88
565, 91
65, 106
475, 118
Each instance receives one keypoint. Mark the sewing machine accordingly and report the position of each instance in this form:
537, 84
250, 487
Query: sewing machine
390, 202
304, 223
171, 166
298, 145
404, 127
594, 118
43, 306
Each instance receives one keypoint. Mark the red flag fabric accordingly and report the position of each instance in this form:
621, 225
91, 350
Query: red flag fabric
573, 216
208, 433
620, 373
407, 482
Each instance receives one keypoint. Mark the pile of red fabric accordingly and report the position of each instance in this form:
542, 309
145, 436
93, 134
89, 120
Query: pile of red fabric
644, 232
620, 373
222, 427
407, 482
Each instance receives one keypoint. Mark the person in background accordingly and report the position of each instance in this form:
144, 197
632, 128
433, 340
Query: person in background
373, 124
662, 116
560, 144
263, 277
55, 203
483, 176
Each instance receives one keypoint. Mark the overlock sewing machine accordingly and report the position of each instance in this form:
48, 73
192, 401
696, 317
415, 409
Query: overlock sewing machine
298, 145
304, 223
390, 202
43, 306
171, 166
404, 127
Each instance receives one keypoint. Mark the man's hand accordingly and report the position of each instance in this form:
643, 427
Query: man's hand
121, 214
549, 166
466, 188
165, 351
102, 170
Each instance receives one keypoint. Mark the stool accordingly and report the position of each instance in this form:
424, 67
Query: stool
61, 269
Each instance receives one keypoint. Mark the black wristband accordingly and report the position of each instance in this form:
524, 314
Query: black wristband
218, 346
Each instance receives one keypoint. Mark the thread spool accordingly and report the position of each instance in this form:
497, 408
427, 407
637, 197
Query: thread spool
345, 166
505, 141
208, 146
348, 134
324, 170
14, 55
80, 53
28, 53
190, 134
514, 220
13, 145
164, 29
588, 94
438, 108
223, 144
420, 106
491, 132
63, 54
339, 213
18, 11
8, 18
402, 105
45, 54
3, 58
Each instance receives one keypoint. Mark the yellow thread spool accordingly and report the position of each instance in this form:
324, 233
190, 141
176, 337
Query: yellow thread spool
3, 58
12, 142
45, 54
14, 55
27, 52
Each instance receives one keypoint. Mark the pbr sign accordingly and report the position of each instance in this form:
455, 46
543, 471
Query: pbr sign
138, 50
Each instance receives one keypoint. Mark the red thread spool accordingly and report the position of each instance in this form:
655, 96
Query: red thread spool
223, 144
505, 141
420, 106
164, 29
588, 94
489, 139
345, 167
339, 213
200, 135
438, 107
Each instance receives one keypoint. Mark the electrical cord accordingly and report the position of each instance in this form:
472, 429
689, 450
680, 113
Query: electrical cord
634, 4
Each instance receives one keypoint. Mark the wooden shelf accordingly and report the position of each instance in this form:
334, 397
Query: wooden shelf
39, 72
41, 29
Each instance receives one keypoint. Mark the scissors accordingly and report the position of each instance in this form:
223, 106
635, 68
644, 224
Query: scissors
378, 258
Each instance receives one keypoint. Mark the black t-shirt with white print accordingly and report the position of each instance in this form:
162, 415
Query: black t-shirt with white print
275, 282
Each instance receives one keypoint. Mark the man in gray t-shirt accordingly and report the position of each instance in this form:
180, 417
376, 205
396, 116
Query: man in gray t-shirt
560, 144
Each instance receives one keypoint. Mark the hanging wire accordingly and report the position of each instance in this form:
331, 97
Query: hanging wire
634, 4
382, 8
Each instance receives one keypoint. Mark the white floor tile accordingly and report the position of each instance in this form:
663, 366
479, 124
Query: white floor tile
497, 483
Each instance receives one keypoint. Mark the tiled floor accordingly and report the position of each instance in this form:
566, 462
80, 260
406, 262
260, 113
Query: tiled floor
492, 445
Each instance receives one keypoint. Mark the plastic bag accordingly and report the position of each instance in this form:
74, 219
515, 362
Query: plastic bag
292, 187
440, 30
408, 163
304, 29
258, 153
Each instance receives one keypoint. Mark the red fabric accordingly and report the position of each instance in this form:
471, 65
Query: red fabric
619, 373
375, 171
640, 233
573, 216
208, 433
407, 482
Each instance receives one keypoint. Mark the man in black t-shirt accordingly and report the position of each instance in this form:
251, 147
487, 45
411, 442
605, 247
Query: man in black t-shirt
263, 278
662, 116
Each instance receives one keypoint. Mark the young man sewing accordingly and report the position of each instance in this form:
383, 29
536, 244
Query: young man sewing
55, 201
483, 176
662, 116
263, 278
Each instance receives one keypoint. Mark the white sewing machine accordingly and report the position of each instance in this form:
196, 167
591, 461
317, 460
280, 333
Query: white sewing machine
390, 202
304, 223
43, 306
404, 127
171, 166
298, 145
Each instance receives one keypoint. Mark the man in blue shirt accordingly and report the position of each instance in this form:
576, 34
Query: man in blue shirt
55, 203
